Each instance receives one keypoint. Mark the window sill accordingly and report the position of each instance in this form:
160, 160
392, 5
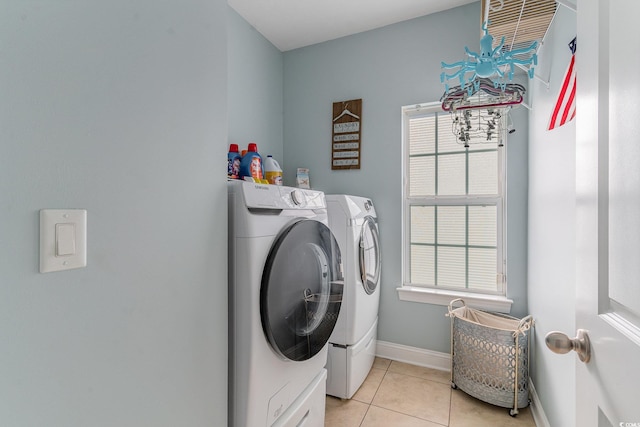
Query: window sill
443, 297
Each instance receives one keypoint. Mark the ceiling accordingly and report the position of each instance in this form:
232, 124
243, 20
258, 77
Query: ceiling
290, 24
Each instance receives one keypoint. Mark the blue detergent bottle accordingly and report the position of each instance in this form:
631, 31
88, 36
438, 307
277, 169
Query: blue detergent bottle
233, 162
251, 164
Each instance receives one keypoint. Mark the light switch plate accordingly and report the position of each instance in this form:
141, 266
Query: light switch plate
55, 227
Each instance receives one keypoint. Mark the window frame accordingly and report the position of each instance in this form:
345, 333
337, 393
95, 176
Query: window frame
489, 300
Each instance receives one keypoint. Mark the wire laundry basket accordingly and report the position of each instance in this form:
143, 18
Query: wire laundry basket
322, 313
490, 356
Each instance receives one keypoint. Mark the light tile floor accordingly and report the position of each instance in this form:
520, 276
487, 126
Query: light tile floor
397, 394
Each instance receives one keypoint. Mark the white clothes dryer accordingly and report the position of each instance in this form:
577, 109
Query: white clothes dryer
353, 221
285, 291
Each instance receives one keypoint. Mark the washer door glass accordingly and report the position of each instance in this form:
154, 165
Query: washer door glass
299, 297
369, 255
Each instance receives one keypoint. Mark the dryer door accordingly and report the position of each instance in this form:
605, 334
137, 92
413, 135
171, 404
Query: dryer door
369, 255
299, 299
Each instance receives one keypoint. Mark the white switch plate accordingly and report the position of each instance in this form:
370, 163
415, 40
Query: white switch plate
62, 221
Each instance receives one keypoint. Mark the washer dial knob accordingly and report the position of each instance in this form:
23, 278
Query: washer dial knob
297, 197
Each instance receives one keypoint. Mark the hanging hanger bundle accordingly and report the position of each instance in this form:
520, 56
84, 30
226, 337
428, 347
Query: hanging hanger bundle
482, 93
346, 112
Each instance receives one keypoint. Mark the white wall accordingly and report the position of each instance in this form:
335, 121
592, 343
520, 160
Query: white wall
552, 209
119, 108
388, 68
255, 89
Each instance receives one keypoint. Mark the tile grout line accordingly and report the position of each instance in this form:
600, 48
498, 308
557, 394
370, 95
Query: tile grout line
448, 382
365, 416
386, 370
407, 415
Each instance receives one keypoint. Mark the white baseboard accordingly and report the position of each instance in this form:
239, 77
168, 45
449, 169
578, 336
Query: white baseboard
539, 417
414, 355
442, 361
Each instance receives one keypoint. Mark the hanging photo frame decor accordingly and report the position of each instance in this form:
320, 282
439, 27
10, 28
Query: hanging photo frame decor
346, 139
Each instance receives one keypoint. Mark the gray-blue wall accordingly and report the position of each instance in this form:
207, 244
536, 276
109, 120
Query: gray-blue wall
120, 108
389, 68
255, 89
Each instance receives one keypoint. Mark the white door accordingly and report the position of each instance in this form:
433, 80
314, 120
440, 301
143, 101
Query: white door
608, 211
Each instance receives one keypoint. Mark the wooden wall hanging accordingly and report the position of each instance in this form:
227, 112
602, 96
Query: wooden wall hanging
347, 127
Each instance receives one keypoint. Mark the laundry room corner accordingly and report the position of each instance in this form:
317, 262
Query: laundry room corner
389, 68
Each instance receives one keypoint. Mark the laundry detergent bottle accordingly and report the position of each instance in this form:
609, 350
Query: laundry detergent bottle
233, 162
272, 171
251, 164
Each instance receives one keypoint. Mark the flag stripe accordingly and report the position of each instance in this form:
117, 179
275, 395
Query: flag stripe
564, 103
570, 103
563, 91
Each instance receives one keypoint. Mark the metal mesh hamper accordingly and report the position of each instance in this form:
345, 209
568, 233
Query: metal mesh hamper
490, 356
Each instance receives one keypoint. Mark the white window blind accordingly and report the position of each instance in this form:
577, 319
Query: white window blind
453, 199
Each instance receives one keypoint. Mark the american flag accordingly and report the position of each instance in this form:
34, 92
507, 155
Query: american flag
565, 108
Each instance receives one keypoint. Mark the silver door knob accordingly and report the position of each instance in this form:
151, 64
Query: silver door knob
560, 343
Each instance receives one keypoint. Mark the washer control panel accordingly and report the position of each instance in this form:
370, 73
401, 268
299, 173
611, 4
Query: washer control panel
302, 198
281, 197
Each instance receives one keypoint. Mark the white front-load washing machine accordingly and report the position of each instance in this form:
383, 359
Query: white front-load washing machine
285, 292
352, 345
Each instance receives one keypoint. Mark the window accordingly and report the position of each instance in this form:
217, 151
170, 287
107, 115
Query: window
453, 210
